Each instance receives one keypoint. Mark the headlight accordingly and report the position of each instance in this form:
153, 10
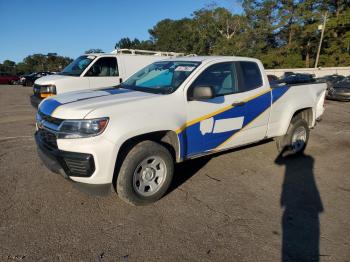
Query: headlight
47, 90
82, 128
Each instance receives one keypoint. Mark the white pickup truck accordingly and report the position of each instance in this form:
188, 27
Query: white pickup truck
93, 71
129, 137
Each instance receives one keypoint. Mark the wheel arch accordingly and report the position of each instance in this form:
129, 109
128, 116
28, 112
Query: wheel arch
167, 138
305, 113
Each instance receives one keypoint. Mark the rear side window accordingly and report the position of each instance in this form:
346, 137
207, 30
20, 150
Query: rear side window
250, 76
105, 66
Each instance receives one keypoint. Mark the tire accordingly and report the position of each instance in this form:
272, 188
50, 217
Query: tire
295, 140
139, 181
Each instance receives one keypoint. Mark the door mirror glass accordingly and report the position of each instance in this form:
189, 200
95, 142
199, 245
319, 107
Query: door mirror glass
203, 93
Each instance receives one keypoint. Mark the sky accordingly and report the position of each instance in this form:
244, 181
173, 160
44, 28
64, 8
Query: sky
70, 27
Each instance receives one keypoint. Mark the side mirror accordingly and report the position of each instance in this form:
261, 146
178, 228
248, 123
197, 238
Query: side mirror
202, 93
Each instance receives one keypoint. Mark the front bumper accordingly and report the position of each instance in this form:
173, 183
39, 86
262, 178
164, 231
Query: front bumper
35, 101
70, 164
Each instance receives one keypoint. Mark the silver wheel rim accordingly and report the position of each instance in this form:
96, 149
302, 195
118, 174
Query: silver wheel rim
299, 139
149, 176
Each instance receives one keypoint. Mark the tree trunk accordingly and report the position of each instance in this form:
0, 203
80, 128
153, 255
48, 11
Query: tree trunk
337, 8
290, 36
290, 24
307, 58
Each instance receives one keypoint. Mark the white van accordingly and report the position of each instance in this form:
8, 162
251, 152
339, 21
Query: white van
92, 71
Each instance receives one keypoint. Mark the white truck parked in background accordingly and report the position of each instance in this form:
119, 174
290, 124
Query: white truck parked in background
93, 71
130, 136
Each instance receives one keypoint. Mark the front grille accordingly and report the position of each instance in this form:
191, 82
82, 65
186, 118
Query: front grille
50, 119
48, 138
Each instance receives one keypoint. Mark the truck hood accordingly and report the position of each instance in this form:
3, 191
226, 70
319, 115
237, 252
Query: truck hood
51, 79
76, 105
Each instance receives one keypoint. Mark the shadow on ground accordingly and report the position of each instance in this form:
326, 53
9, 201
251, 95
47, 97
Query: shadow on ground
300, 199
302, 205
185, 170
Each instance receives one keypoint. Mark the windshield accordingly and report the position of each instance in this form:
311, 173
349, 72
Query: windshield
78, 65
161, 77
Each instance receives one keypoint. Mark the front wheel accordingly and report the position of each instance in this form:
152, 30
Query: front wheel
145, 174
295, 140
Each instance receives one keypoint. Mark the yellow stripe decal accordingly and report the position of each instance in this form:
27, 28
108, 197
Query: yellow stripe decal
194, 121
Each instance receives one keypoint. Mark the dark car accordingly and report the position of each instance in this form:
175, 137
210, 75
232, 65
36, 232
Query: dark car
340, 90
8, 79
331, 80
297, 78
287, 73
28, 80
273, 80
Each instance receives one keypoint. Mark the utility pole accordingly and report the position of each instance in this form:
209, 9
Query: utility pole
321, 39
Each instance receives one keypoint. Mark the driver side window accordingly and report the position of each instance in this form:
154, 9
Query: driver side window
222, 77
105, 66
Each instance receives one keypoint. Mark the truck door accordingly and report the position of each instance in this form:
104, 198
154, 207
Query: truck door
258, 103
223, 121
103, 73
211, 122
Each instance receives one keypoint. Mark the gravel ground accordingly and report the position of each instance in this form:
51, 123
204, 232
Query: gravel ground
243, 205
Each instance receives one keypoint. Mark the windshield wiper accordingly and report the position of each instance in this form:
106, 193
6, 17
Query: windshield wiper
162, 90
67, 74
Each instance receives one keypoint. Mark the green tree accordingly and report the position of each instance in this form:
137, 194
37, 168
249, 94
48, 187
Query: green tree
8, 67
173, 35
282, 33
127, 43
336, 44
97, 50
41, 62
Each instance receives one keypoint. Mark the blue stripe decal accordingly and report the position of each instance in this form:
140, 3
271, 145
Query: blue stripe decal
49, 105
278, 92
192, 141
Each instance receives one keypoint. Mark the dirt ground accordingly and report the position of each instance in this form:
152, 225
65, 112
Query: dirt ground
243, 205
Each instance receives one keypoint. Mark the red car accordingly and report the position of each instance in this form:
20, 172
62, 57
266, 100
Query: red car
8, 79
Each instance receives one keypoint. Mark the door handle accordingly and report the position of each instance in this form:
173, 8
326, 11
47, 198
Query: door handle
238, 103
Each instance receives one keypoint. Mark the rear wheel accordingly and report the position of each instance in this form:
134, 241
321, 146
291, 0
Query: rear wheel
296, 138
145, 174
